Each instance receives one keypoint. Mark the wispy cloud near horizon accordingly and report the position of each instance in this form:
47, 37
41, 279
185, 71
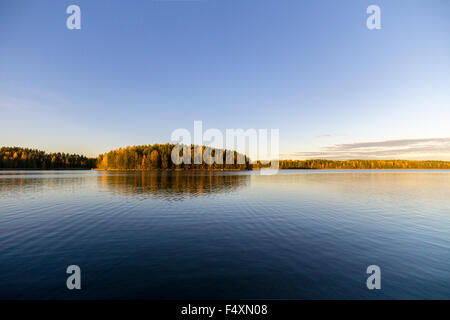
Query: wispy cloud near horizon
413, 149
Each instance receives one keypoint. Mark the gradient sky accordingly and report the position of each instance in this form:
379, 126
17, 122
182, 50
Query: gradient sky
137, 70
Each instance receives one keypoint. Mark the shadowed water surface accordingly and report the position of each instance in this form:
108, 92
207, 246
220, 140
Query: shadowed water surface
297, 234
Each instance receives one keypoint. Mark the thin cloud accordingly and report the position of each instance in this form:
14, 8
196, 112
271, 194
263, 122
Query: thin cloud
329, 135
416, 149
389, 143
325, 135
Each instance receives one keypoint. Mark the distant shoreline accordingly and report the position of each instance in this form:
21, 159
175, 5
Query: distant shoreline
158, 157
155, 170
218, 170
41, 169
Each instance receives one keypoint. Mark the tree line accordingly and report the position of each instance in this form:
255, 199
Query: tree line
159, 156
23, 158
362, 164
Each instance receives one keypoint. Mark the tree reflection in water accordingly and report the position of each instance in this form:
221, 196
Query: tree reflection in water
173, 185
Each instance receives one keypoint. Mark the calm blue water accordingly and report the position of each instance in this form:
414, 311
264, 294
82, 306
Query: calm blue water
296, 235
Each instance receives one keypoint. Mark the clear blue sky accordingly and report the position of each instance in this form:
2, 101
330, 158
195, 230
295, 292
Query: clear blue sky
137, 70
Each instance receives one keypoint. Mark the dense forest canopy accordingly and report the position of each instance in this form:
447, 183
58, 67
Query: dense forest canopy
159, 156
22, 158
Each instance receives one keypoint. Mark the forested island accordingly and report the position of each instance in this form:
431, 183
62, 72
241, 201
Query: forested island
158, 157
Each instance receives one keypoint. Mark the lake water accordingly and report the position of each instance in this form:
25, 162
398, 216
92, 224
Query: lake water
240, 235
